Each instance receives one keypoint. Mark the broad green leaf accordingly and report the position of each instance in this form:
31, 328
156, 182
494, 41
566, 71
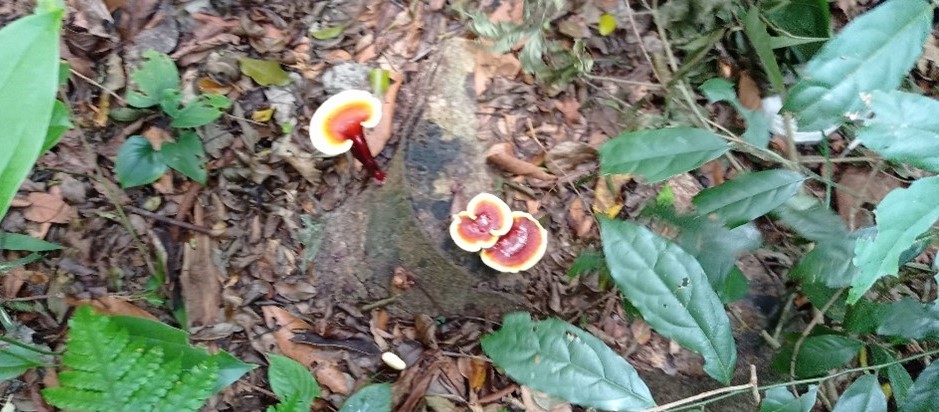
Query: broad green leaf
910, 319
203, 110
554, 357
186, 155
175, 343
17, 241
137, 163
372, 398
290, 379
864, 317
902, 216
863, 395
873, 52
804, 25
29, 68
735, 287
830, 262
25, 260
899, 378
780, 400
924, 395
811, 219
15, 360
755, 30
749, 196
818, 355
328, 33
721, 90
904, 129
58, 125
661, 153
264, 72
669, 288
153, 78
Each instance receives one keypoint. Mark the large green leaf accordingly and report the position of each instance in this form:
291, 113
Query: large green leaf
292, 383
17, 241
556, 358
29, 71
671, 291
201, 111
661, 153
154, 77
910, 319
186, 155
722, 90
904, 129
818, 355
899, 378
16, 360
372, 398
137, 163
863, 395
811, 219
902, 216
59, 123
803, 24
780, 400
763, 45
264, 72
749, 196
873, 52
924, 395
830, 263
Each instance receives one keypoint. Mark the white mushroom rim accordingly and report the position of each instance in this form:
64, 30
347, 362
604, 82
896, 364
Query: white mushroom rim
341, 118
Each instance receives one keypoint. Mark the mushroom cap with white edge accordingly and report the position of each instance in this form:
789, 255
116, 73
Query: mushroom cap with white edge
519, 249
349, 109
485, 219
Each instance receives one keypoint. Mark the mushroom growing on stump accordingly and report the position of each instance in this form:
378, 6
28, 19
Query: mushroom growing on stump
520, 248
485, 219
337, 126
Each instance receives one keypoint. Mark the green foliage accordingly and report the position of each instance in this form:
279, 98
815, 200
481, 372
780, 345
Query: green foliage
863, 395
721, 90
904, 129
265, 72
763, 44
749, 196
186, 155
780, 400
818, 355
561, 360
16, 360
549, 60
671, 291
29, 71
110, 367
372, 398
137, 163
873, 52
924, 395
659, 154
589, 261
899, 379
292, 383
909, 319
16, 241
156, 77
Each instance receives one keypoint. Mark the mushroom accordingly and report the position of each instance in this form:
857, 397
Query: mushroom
479, 226
337, 126
520, 248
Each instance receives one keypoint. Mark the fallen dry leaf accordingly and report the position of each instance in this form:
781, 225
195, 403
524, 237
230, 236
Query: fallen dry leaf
502, 155
570, 107
579, 220
334, 379
200, 278
748, 92
282, 323
684, 187
115, 306
48, 208
381, 134
489, 65
607, 199
566, 157
858, 188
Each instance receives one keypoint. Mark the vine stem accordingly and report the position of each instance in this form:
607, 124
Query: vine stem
749, 386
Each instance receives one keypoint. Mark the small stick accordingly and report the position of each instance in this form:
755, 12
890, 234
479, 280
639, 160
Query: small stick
495, 396
169, 220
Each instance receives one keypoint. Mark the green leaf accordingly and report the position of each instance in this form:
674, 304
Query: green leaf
289, 379
762, 44
669, 288
33, 257
864, 317
328, 33
156, 75
818, 355
554, 357
203, 110
863, 395
186, 155
804, 25
830, 263
16, 241
264, 72
904, 129
749, 196
606, 24
721, 90
811, 219
910, 319
780, 400
372, 398
660, 154
58, 125
924, 395
873, 52
16, 360
380, 79
29, 68
137, 163
902, 216
899, 378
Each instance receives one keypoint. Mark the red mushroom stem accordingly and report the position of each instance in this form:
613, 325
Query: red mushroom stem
361, 152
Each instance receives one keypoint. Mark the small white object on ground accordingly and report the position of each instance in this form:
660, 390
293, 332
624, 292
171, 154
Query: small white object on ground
777, 125
393, 361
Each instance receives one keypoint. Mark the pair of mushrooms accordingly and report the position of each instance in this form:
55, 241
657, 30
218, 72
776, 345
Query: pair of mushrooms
507, 241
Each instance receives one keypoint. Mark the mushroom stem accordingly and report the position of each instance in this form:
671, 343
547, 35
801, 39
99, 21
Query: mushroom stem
361, 152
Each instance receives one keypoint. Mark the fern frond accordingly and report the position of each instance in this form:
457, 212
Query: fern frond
191, 391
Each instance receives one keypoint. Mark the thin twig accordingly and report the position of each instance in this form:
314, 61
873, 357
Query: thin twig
100, 86
818, 318
625, 81
821, 159
738, 388
169, 220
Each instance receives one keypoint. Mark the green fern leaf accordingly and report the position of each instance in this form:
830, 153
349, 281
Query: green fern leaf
190, 392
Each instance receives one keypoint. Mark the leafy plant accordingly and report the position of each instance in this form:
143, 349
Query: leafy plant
372, 398
133, 364
292, 383
29, 73
157, 81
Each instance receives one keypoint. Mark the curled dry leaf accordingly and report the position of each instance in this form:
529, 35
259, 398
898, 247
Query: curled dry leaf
334, 379
579, 220
566, 157
607, 199
301, 160
748, 92
282, 323
48, 208
502, 156
200, 278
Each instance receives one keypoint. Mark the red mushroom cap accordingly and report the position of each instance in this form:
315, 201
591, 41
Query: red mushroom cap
341, 118
520, 248
485, 219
